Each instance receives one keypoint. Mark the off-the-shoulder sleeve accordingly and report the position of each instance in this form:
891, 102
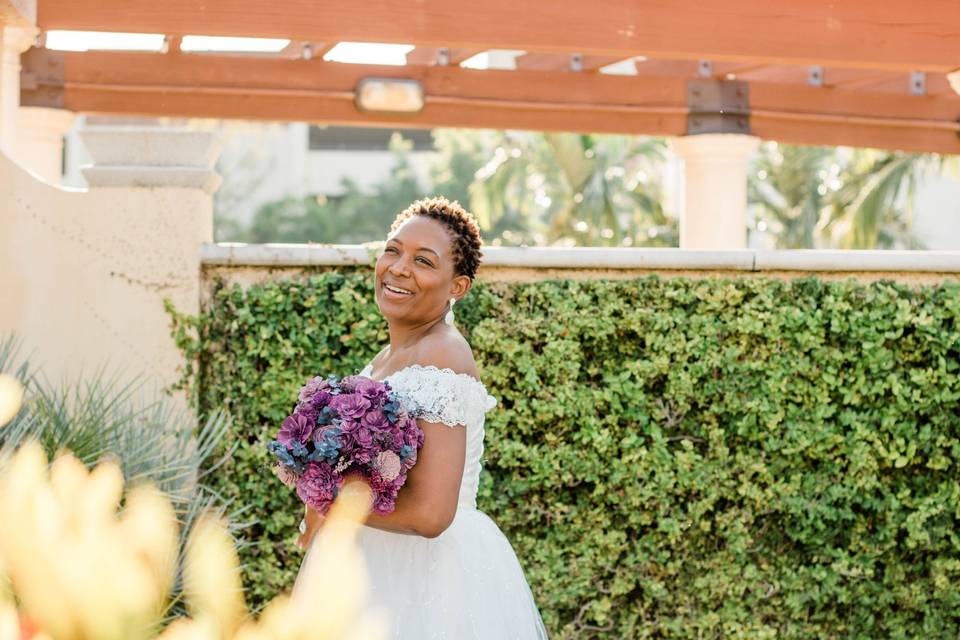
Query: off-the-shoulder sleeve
441, 395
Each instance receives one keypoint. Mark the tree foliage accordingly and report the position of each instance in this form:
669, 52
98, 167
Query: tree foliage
671, 458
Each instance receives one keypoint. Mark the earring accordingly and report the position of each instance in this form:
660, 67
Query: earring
449, 317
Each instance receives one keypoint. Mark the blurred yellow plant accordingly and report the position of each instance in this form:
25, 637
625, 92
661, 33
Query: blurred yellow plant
74, 568
11, 395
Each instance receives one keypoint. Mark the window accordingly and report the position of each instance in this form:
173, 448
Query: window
365, 139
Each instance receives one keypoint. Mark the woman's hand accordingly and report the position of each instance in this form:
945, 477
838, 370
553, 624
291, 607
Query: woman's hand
313, 521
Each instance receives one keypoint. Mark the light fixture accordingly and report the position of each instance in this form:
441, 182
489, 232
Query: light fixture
389, 95
102, 40
233, 45
369, 53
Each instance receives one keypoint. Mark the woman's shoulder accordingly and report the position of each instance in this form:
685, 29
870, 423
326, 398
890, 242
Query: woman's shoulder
447, 351
444, 383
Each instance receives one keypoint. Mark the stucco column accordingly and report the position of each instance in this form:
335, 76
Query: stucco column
40, 133
13, 42
714, 215
84, 273
158, 186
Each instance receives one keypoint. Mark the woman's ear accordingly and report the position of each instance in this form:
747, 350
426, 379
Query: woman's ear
460, 286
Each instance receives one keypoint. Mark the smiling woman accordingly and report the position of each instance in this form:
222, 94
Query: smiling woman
453, 574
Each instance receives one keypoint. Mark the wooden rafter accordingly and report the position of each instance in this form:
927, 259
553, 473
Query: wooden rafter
921, 35
317, 91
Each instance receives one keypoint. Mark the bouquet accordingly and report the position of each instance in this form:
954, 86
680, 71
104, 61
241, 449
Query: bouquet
341, 427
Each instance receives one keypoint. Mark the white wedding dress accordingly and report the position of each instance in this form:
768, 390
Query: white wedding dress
465, 584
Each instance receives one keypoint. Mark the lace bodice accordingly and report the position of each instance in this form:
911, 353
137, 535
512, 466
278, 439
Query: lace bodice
450, 398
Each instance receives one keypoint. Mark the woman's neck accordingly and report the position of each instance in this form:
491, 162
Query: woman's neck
404, 336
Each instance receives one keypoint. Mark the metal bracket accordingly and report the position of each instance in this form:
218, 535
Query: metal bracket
443, 57
705, 69
42, 78
815, 76
718, 106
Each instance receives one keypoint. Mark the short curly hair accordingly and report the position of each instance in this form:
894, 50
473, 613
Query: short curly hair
461, 224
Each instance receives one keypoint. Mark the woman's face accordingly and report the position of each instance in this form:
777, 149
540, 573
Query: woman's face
415, 273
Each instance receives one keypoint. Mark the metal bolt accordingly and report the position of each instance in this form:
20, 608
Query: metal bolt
918, 83
306, 51
705, 68
815, 76
576, 63
443, 57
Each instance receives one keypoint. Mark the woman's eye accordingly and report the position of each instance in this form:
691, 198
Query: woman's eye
425, 261
390, 250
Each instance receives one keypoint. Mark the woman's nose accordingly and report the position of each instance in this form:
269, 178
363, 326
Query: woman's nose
399, 267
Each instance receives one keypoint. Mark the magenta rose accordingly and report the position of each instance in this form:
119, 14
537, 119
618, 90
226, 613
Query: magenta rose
364, 437
308, 412
296, 428
318, 486
350, 405
374, 419
349, 426
312, 387
370, 389
349, 383
384, 504
320, 400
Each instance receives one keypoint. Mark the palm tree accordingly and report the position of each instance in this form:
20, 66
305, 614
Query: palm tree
559, 188
817, 197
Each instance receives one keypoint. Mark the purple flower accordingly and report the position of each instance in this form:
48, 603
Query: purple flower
287, 475
312, 387
318, 486
363, 438
349, 383
374, 419
371, 389
384, 504
350, 405
349, 426
297, 428
308, 412
320, 399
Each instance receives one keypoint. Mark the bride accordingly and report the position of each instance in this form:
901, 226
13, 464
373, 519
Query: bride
438, 567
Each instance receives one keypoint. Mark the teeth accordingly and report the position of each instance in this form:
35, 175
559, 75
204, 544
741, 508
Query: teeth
396, 290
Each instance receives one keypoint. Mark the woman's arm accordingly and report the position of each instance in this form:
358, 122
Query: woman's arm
427, 502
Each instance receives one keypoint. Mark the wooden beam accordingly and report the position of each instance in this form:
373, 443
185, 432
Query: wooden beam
316, 91
921, 35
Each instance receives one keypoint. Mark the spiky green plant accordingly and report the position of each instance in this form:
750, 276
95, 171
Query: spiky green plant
142, 428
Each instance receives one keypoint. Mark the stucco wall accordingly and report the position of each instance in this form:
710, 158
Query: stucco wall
249, 264
83, 274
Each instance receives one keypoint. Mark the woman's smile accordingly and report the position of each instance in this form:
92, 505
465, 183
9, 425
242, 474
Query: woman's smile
394, 292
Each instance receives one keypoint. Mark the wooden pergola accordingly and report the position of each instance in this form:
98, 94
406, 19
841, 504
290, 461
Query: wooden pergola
838, 72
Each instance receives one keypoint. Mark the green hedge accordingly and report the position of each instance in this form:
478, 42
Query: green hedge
671, 458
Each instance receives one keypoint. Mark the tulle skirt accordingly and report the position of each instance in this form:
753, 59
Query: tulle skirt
465, 584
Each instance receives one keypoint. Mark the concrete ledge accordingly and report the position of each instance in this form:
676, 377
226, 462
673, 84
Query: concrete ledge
304, 255
167, 177
151, 147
